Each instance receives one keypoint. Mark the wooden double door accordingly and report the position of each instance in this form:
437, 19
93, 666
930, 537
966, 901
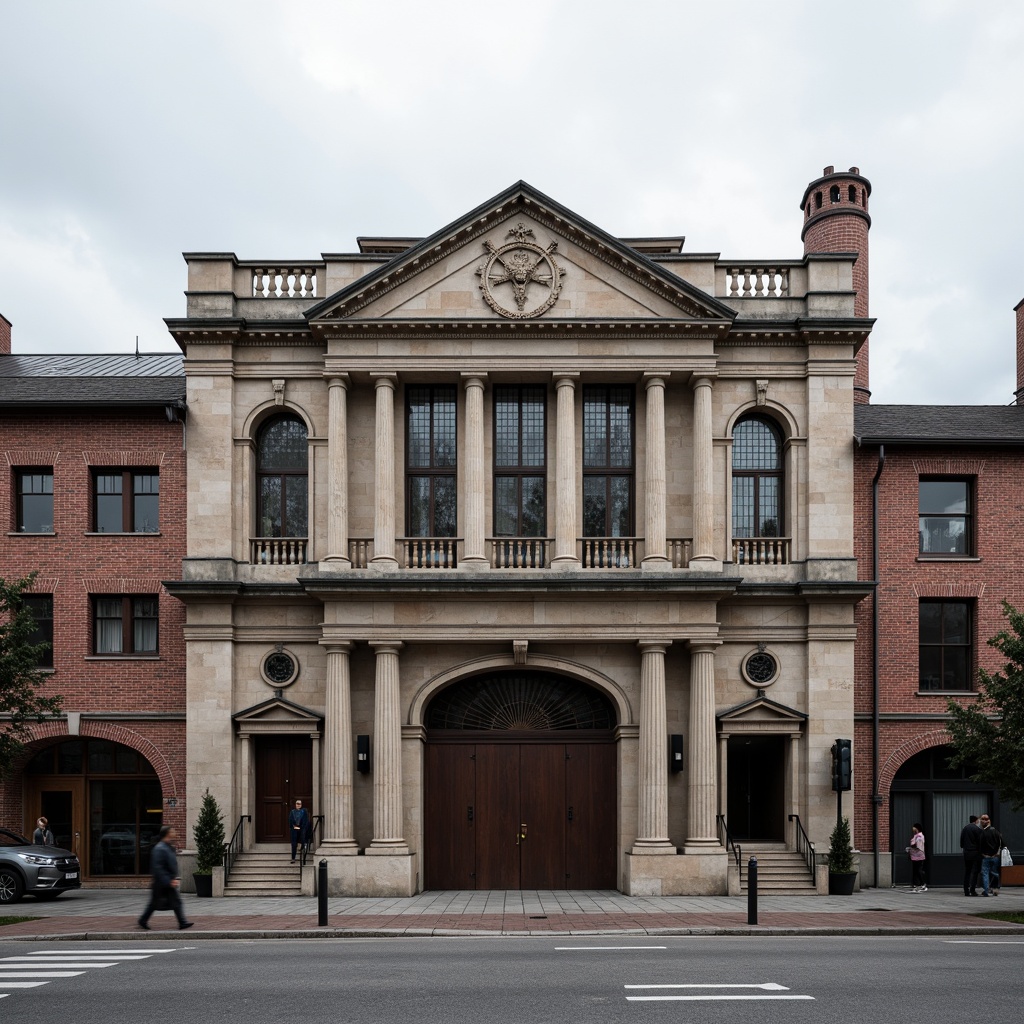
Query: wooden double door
520, 815
284, 774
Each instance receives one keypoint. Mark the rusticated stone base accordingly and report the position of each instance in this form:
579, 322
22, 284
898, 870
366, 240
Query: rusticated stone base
365, 876
677, 874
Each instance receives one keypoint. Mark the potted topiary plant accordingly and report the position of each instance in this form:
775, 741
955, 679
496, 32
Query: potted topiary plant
208, 833
841, 873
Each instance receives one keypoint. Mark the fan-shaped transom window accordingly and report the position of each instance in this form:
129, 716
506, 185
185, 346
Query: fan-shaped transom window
520, 701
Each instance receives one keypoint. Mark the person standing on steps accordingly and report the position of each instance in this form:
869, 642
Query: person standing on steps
970, 837
164, 892
42, 835
298, 825
916, 850
990, 844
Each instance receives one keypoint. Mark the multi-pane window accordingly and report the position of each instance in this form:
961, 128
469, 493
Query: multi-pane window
33, 500
520, 462
430, 480
125, 625
41, 607
945, 642
944, 517
756, 479
282, 468
608, 461
126, 501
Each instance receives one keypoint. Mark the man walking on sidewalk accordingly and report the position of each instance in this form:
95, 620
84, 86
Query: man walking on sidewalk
970, 837
164, 891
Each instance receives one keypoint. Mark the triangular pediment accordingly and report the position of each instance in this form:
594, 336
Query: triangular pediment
520, 257
278, 715
760, 715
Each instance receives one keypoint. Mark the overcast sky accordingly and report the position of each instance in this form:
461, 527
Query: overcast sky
132, 131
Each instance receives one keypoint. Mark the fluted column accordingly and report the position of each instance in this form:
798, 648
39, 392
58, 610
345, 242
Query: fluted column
565, 472
475, 523
338, 756
701, 833
652, 818
337, 471
387, 754
384, 473
655, 556
703, 472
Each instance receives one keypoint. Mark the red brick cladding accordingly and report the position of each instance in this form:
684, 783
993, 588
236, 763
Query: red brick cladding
904, 580
5, 336
1019, 310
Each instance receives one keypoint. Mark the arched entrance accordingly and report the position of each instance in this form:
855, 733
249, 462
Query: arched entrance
103, 801
520, 786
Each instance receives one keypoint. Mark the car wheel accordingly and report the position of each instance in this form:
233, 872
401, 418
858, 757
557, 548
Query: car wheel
11, 886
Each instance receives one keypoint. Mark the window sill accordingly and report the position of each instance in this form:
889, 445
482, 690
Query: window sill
27, 533
948, 558
124, 533
947, 693
122, 657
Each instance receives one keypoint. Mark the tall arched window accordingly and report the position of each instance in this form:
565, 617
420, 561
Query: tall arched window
756, 479
282, 465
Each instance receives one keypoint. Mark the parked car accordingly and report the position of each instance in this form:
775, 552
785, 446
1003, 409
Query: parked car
41, 871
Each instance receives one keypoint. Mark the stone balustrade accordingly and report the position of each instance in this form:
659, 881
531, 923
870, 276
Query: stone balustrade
680, 550
761, 550
360, 551
286, 282
519, 552
608, 552
756, 282
277, 550
429, 552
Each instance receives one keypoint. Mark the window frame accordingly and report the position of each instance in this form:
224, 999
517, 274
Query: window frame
516, 394
607, 470
21, 473
44, 625
432, 472
969, 646
968, 517
284, 475
129, 496
128, 618
759, 474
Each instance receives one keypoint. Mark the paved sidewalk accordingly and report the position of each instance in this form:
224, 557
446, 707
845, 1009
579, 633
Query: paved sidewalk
112, 913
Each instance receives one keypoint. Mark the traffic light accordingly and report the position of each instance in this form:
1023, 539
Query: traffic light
842, 766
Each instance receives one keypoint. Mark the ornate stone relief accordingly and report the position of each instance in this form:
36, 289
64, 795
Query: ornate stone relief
760, 668
522, 271
280, 667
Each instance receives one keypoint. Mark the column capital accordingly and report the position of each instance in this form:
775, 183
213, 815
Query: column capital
653, 646
337, 646
336, 380
704, 379
386, 646
655, 380
470, 379
703, 646
566, 378
385, 380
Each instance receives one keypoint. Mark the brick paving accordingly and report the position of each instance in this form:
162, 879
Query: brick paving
98, 914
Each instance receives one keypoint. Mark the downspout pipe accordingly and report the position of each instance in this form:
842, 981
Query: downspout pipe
876, 798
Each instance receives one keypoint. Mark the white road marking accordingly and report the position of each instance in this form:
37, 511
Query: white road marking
665, 999
24, 984
984, 942
768, 986
128, 954
588, 948
17, 961
4, 975
766, 990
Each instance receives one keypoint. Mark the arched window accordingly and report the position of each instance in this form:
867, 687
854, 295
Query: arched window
756, 479
853, 194
281, 478
833, 194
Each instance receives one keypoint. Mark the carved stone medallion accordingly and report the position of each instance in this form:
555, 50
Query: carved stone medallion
520, 279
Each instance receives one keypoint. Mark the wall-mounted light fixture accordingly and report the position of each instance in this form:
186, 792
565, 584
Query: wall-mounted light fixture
363, 754
675, 760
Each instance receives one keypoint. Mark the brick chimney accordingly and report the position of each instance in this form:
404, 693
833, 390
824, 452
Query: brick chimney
836, 220
1019, 310
5, 336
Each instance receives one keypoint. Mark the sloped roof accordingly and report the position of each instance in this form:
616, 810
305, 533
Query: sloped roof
939, 424
107, 379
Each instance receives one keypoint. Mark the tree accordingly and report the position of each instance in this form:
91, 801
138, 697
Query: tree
208, 833
840, 854
20, 678
988, 734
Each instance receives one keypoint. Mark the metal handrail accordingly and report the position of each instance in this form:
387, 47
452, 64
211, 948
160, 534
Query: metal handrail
233, 847
317, 824
804, 846
727, 840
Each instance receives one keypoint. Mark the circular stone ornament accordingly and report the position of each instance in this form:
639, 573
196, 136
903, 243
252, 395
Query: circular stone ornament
520, 279
760, 668
279, 668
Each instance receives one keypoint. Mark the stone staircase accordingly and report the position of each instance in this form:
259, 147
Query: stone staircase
265, 870
780, 872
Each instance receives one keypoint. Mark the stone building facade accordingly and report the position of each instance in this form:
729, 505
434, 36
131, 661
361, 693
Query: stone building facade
522, 553
93, 498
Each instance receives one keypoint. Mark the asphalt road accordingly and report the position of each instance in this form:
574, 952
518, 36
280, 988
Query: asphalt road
941, 980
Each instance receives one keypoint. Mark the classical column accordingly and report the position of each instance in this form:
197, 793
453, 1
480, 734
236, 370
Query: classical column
245, 782
723, 774
337, 471
387, 754
338, 835
384, 474
701, 833
475, 528
652, 823
654, 541
703, 473
565, 472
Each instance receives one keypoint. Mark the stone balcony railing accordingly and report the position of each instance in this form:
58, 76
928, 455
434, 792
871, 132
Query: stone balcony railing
519, 552
761, 550
277, 550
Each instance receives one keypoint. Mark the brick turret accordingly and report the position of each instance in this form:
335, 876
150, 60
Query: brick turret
836, 220
5, 336
1019, 310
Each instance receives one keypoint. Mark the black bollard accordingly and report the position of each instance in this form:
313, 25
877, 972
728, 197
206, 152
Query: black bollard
321, 894
752, 891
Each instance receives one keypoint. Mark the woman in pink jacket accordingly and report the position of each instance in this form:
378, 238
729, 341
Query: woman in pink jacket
916, 851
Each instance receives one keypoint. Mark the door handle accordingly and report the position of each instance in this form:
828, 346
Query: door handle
521, 834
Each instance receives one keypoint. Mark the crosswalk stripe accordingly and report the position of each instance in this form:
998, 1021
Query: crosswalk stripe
66, 965
127, 953
768, 986
24, 984
709, 996
4, 975
84, 956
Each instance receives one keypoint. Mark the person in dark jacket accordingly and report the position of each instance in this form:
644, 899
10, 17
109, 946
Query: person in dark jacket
990, 843
166, 882
970, 837
42, 835
298, 826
